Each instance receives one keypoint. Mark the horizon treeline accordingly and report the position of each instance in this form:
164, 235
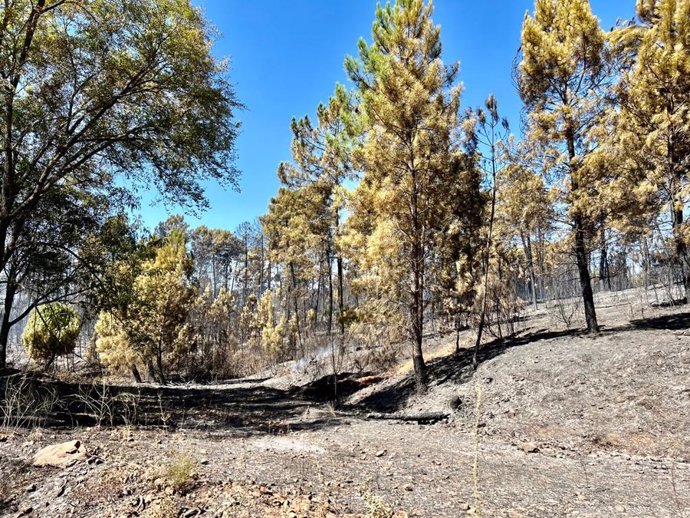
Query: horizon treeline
400, 215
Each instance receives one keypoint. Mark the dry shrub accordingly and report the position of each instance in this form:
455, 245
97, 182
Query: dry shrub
24, 403
166, 507
180, 471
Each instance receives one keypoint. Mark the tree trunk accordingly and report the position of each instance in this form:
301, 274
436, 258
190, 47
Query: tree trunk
159, 364
417, 295
296, 306
341, 296
527, 245
585, 279
6, 323
261, 267
681, 250
645, 263
487, 257
151, 371
135, 373
580, 245
604, 271
330, 290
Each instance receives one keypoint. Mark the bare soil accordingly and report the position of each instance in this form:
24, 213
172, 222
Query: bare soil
552, 423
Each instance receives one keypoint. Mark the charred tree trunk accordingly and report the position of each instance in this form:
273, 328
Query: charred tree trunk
417, 294
604, 270
585, 278
296, 308
6, 323
527, 245
135, 373
581, 257
486, 262
151, 370
341, 295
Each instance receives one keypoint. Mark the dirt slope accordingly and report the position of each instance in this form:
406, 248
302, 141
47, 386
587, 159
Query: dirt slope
568, 425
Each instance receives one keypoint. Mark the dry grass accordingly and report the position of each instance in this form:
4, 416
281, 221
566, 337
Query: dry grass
180, 471
442, 351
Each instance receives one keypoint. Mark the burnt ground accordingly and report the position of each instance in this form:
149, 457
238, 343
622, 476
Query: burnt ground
552, 423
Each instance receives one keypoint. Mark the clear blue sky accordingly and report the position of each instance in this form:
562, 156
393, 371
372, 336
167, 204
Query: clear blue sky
286, 57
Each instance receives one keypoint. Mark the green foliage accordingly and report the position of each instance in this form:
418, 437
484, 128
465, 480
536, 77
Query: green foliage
52, 330
98, 95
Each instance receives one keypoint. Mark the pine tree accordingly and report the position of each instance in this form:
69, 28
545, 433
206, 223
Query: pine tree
650, 131
525, 213
321, 161
562, 79
409, 107
487, 134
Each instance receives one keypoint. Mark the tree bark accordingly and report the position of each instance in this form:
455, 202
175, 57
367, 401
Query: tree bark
580, 245
604, 270
151, 371
6, 323
341, 297
585, 278
135, 373
527, 245
417, 295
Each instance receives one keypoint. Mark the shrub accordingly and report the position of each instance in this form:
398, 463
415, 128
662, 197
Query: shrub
180, 471
112, 344
52, 330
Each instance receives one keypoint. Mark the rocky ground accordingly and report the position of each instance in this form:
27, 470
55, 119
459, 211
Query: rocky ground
552, 423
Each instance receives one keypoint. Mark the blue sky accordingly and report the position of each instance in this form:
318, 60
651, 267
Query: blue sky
286, 57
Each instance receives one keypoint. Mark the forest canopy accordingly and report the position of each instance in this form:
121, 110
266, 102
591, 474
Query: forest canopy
401, 214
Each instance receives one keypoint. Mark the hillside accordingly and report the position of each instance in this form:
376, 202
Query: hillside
568, 425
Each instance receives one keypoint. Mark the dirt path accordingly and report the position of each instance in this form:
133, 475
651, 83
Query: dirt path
426, 471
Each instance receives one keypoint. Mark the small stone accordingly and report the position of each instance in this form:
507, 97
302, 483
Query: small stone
380, 453
620, 509
31, 488
529, 447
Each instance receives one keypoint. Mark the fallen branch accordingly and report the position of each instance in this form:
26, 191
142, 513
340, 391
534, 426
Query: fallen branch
426, 418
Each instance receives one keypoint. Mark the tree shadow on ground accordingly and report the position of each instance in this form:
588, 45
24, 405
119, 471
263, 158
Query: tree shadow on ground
253, 409
246, 410
457, 367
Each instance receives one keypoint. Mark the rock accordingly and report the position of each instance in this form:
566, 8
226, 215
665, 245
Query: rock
620, 509
464, 506
61, 489
380, 453
31, 488
529, 447
60, 455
